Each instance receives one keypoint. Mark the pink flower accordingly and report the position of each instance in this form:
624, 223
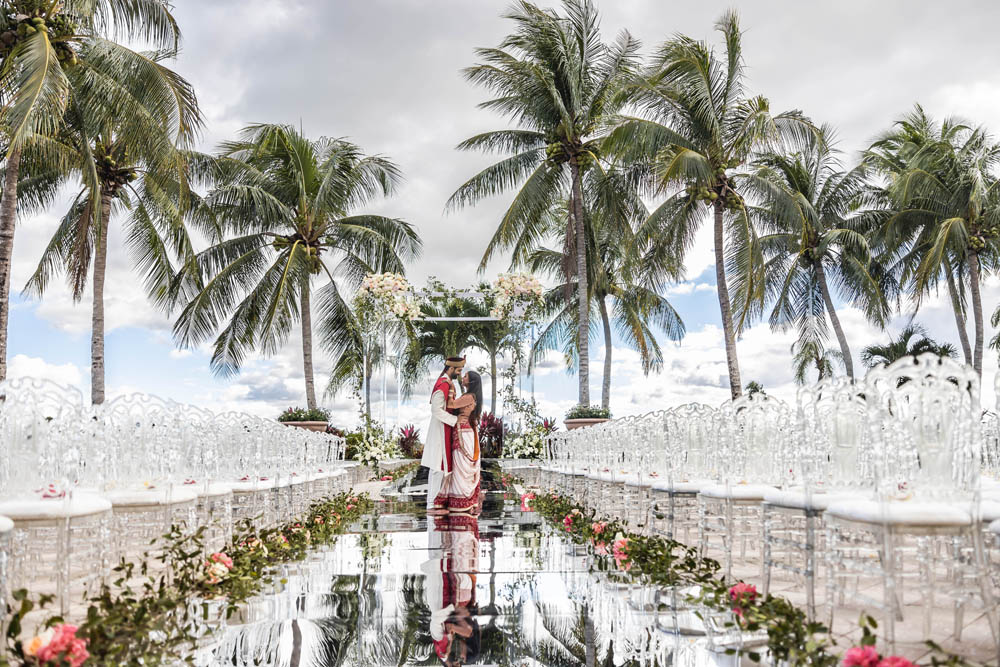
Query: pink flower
386, 478
221, 557
568, 521
525, 500
318, 520
59, 644
350, 507
743, 593
601, 548
861, 656
598, 527
895, 661
619, 549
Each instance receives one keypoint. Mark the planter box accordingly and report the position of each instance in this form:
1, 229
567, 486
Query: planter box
319, 427
582, 423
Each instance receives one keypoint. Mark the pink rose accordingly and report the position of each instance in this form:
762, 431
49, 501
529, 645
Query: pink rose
350, 507
220, 557
63, 646
861, 656
598, 527
601, 548
743, 593
895, 661
619, 549
525, 501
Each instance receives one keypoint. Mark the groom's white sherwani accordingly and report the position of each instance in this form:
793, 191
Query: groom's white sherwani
435, 453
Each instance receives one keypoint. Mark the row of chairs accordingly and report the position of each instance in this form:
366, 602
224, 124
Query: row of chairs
894, 481
82, 486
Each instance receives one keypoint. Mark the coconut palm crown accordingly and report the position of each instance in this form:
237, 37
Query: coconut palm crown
696, 126
812, 246
287, 206
558, 83
48, 52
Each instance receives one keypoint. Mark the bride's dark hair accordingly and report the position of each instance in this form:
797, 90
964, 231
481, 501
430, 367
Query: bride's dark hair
476, 389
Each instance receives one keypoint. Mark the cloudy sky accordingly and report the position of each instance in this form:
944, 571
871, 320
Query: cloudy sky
386, 74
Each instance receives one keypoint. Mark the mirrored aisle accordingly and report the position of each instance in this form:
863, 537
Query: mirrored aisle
498, 589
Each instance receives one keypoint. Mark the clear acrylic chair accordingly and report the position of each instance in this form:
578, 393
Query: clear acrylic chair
60, 537
830, 464
756, 431
922, 519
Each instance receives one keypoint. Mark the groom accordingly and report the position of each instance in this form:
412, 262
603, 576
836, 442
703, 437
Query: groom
439, 432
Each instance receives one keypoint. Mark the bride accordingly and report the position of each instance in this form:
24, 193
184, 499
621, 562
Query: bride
460, 491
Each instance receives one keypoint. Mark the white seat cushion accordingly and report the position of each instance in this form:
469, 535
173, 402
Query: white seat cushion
249, 486
213, 489
796, 498
901, 513
737, 491
635, 479
995, 527
153, 496
31, 509
989, 510
691, 486
6, 525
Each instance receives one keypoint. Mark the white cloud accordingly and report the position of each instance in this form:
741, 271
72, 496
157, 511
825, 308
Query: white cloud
21, 366
180, 354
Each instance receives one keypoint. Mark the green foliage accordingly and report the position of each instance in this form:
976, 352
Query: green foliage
911, 341
305, 415
154, 611
588, 412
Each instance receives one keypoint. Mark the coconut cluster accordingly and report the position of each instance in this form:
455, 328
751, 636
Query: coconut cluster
25, 18
114, 171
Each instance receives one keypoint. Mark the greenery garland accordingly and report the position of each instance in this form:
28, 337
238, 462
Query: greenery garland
154, 611
658, 561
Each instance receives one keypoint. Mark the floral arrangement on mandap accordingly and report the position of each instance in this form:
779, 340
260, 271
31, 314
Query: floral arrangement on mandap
391, 293
510, 290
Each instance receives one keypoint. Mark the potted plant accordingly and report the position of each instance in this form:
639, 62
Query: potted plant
586, 415
315, 419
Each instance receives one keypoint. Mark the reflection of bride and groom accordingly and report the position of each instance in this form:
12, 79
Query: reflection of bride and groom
451, 452
450, 587
454, 497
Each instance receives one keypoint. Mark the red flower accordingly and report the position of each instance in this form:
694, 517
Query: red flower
861, 656
895, 661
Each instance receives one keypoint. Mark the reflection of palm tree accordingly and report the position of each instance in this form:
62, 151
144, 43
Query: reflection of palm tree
912, 341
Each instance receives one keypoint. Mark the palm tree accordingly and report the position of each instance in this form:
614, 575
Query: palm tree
286, 203
126, 157
559, 83
492, 337
699, 125
806, 202
809, 352
628, 274
911, 341
48, 52
433, 341
943, 221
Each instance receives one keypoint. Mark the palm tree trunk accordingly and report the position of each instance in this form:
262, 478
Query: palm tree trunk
8, 216
582, 291
606, 387
735, 386
493, 381
977, 311
956, 306
307, 348
837, 329
97, 318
